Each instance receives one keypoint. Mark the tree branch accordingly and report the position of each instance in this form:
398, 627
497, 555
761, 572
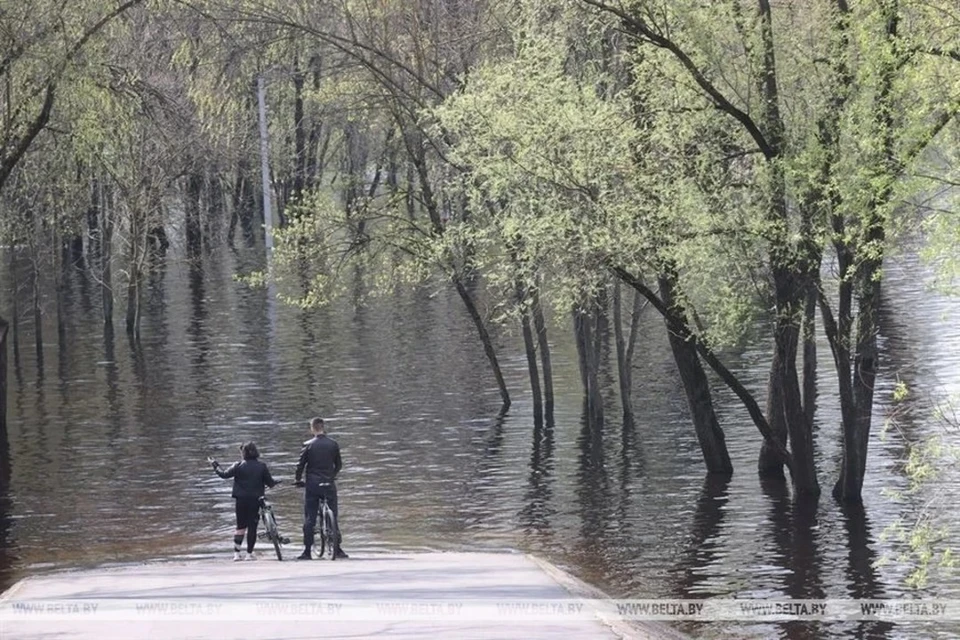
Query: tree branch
639, 28
9, 161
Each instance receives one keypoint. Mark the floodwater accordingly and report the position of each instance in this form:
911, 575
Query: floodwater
108, 439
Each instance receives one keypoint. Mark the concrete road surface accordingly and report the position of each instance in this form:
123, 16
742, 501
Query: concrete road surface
429, 595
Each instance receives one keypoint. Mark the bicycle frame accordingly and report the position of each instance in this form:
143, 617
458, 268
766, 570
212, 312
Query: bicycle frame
328, 527
270, 528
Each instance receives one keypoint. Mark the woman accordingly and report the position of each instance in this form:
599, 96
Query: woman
250, 476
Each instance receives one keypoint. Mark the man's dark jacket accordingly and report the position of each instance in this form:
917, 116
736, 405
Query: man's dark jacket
320, 457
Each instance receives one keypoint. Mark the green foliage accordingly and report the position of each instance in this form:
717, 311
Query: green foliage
923, 545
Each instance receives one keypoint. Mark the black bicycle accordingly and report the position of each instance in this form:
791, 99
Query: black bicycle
270, 530
328, 528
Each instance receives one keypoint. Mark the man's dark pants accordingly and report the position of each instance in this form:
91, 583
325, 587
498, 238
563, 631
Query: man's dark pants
311, 508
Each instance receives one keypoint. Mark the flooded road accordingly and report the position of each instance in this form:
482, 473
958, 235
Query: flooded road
108, 439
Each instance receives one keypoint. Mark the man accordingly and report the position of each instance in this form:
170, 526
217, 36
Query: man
320, 458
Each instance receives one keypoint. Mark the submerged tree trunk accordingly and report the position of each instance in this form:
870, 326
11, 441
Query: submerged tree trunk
867, 275
216, 207
106, 255
37, 309
625, 348
789, 267
544, 346
15, 310
790, 303
243, 202
133, 303
810, 357
695, 384
134, 276
93, 224
3, 378
623, 368
61, 277
584, 319
531, 351
485, 340
192, 208
770, 462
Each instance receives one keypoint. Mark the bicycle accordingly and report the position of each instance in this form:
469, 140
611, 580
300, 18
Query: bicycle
328, 527
270, 530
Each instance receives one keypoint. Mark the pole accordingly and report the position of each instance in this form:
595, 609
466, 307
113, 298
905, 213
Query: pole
265, 166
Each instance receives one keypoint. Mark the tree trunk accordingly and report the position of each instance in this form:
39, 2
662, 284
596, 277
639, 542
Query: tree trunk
487, 342
93, 223
299, 135
790, 298
3, 379
695, 384
213, 220
312, 165
133, 277
623, 366
410, 200
192, 209
579, 336
106, 255
76, 251
856, 431
243, 200
601, 327
583, 322
15, 311
789, 268
770, 462
133, 303
531, 352
62, 277
37, 309
541, 327
810, 357
638, 305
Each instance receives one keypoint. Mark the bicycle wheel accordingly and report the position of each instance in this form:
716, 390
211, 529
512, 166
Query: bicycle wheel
330, 527
273, 533
323, 531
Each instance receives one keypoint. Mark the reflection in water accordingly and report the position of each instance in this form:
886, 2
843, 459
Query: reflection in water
406, 386
537, 510
793, 530
861, 573
703, 547
592, 484
200, 343
7, 543
112, 387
